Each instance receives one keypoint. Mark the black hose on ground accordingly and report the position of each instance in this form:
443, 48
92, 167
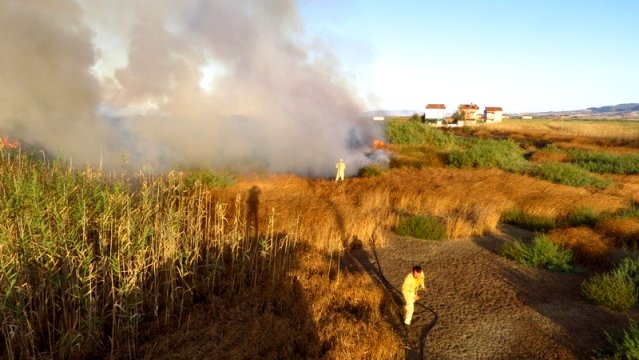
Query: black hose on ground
399, 300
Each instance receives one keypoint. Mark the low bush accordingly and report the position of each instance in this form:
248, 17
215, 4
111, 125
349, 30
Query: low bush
628, 268
541, 252
414, 163
611, 291
206, 178
516, 216
370, 171
631, 212
423, 227
583, 216
604, 162
568, 174
622, 344
416, 133
485, 153
616, 289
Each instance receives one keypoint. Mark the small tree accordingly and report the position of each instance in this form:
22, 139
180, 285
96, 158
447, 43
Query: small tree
459, 115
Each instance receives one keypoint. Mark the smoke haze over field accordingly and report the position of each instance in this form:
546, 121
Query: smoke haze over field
206, 83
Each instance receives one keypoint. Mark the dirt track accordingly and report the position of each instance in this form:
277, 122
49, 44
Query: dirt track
489, 307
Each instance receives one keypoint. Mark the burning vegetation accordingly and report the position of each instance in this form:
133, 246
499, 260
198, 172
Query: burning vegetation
8, 143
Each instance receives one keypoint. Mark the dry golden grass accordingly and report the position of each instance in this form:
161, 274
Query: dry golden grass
319, 313
614, 136
588, 246
543, 156
624, 230
347, 311
333, 216
627, 187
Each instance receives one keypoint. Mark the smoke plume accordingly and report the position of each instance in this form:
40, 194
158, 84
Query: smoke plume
201, 83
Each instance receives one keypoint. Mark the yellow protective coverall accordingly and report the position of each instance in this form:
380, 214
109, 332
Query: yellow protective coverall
409, 290
340, 166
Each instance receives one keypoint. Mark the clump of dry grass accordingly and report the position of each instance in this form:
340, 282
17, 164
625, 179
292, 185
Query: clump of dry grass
588, 246
543, 156
624, 230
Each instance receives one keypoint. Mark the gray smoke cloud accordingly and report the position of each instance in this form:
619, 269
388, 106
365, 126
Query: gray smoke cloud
203, 83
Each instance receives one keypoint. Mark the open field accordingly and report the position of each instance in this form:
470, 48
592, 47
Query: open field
144, 266
621, 136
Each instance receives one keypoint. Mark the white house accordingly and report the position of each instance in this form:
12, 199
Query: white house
434, 112
493, 113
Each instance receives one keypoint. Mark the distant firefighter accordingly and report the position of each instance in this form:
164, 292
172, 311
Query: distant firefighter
340, 166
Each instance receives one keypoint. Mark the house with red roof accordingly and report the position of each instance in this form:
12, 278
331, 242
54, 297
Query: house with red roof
469, 112
435, 112
493, 113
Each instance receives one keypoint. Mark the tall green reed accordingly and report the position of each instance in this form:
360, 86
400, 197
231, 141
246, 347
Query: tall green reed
87, 257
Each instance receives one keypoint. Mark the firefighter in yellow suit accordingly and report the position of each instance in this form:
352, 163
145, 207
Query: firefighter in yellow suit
340, 166
412, 284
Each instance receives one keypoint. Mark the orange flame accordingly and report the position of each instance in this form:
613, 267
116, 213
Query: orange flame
377, 144
6, 143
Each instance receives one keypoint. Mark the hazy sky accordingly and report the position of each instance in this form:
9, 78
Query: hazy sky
521, 55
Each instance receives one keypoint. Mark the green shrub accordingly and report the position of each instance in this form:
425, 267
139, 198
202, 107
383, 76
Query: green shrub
416, 150
605, 163
631, 212
584, 216
568, 174
610, 290
423, 227
486, 153
369, 171
628, 268
541, 253
516, 216
415, 133
206, 178
616, 289
622, 344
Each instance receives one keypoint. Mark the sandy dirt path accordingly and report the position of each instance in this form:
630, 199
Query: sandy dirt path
489, 307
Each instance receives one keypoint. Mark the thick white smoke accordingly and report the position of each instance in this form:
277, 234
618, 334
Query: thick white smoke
205, 83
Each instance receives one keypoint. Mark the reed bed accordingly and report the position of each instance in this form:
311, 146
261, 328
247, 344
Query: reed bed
84, 261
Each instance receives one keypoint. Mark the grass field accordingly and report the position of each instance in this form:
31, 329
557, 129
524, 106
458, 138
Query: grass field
91, 263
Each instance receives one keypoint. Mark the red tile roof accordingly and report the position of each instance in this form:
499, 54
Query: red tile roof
468, 107
435, 106
493, 108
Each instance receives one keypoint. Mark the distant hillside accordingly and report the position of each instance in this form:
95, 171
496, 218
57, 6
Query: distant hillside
628, 111
615, 108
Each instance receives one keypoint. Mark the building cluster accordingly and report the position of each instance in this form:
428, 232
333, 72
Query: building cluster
466, 114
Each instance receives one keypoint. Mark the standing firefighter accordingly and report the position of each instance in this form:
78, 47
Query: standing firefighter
340, 166
412, 284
